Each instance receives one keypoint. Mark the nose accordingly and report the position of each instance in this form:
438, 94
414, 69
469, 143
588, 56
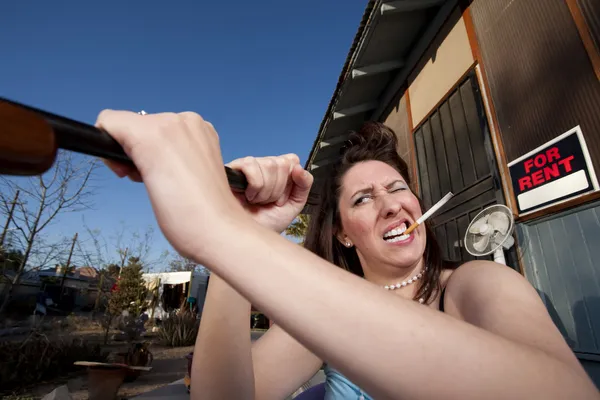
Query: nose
389, 206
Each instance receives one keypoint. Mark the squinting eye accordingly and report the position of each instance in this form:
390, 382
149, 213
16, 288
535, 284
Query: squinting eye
360, 200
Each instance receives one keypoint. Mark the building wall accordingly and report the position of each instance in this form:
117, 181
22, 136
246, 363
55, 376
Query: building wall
446, 61
541, 79
397, 119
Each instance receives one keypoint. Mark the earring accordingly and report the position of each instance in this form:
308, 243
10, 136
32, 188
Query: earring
348, 244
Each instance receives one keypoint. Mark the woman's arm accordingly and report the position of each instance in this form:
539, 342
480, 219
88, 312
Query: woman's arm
281, 365
222, 366
230, 367
397, 348
227, 366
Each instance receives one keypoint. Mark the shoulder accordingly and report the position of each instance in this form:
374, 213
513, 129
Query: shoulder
486, 287
500, 300
474, 274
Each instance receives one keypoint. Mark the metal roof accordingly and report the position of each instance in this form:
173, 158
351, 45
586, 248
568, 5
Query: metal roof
391, 38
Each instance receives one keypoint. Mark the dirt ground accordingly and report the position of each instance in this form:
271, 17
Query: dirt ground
169, 365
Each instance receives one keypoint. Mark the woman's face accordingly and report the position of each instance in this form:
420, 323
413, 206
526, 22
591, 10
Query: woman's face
376, 206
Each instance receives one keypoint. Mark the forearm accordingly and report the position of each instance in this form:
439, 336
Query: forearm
222, 367
397, 348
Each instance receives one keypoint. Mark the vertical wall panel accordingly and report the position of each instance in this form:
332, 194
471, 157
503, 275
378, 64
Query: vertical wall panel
451, 149
463, 143
476, 136
440, 153
434, 180
561, 260
424, 180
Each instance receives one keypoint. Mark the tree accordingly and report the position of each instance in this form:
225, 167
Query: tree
123, 243
113, 270
64, 188
298, 227
131, 291
178, 263
10, 259
181, 264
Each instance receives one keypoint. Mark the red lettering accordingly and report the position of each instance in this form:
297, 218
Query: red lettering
539, 160
551, 171
537, 177
549, 165
525, 183
528, 164
566, 163
552, 154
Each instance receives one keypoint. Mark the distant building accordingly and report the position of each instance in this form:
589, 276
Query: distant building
174, 288
79, 289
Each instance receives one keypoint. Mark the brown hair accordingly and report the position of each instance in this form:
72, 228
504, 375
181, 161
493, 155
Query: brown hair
374, 141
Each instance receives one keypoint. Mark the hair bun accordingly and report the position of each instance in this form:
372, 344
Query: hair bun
372, 135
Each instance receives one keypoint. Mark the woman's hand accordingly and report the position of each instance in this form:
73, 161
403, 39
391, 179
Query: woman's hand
277, 190
179, 160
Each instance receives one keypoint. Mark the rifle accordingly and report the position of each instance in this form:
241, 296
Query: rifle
30, 139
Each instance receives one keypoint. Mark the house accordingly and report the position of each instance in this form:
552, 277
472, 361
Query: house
498, 102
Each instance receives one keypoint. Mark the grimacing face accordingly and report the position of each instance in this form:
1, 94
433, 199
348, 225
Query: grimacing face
376, 205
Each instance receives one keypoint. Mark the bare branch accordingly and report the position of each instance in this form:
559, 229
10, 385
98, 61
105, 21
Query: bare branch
25, 234
10, 239
69, 203
13, 187
4, 203
101, 248
83, 185
54, 176
63, 189
86, 256
24, 214
44, 255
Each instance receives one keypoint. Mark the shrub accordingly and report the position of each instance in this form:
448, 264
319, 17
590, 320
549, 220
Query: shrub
37, 358
132, 327
179, 329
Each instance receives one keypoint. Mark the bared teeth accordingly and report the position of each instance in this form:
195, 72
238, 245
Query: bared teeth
397, 238
396, 231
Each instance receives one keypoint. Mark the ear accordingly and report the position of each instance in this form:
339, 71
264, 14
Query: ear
344, 240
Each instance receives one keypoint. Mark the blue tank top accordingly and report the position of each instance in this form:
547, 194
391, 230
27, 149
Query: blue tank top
338, 387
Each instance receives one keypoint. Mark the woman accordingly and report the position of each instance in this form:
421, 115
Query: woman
494, 338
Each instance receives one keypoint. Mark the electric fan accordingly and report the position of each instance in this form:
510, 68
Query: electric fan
491, 232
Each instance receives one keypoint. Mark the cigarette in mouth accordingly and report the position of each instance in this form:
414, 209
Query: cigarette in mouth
428, 214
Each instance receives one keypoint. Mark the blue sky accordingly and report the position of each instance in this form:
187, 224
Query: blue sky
261, 72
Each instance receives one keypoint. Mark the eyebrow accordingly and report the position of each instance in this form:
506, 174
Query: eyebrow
370, 189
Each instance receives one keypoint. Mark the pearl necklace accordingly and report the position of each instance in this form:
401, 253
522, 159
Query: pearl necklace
406, 283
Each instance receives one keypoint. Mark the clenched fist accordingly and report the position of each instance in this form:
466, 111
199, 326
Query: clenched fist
277, 190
